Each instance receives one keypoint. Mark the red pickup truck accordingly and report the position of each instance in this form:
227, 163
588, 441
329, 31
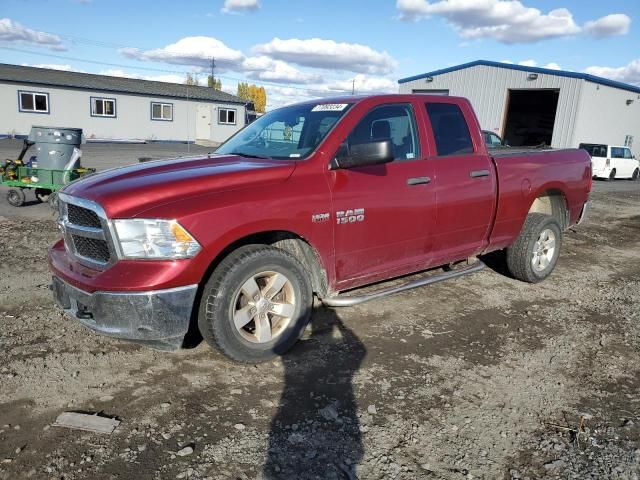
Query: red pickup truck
316, 198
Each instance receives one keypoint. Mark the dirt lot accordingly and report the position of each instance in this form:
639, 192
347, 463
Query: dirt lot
481, 377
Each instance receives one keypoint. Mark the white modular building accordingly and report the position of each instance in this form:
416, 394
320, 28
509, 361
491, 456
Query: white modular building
110, 108
529, 106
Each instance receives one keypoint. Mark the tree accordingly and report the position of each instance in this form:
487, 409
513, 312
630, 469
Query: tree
253, 93
190, 80
214, 83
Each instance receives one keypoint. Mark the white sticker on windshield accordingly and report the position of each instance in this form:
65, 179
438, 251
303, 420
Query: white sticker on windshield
294, 155
329, 107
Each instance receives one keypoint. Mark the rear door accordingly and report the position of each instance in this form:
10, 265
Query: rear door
465, 181
383, 213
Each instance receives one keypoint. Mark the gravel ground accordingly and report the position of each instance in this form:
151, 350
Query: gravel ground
481, 377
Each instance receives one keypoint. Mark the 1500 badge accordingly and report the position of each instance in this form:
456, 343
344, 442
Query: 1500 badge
350, 216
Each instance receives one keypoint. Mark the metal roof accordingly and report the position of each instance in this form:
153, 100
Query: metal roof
105, 83
523, 68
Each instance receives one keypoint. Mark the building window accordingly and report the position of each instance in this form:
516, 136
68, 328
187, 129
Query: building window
227, 116
35, 102
103, 107
162, 111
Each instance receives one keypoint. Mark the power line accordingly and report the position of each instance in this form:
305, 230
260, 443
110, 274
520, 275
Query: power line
99, 43
179, 72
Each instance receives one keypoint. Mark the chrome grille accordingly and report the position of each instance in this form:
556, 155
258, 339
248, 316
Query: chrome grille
83, 216
91, 248
86, 230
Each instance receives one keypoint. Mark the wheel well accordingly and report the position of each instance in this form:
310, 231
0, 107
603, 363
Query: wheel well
554, 203
293, 244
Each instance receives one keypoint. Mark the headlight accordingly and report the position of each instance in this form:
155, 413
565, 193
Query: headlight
155, 239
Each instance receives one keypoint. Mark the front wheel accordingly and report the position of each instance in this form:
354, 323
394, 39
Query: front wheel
636, 174
16, 197
256, 304
534, 254
612, 175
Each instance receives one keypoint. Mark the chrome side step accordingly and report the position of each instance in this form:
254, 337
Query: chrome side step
348, 301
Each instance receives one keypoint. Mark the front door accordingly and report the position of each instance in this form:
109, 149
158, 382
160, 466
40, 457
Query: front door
203, 122
383, 214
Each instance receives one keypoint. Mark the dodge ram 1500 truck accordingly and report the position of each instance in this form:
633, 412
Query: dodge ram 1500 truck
317, 198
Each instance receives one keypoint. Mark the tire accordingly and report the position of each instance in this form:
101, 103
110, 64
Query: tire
16, 197
230, 294
636, 174
42, 194
612, 174
529, 261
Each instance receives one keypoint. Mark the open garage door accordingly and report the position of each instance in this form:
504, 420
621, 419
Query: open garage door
531, 115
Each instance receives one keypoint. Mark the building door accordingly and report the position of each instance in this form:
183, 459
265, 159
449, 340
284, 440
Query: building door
531, 117
203, 122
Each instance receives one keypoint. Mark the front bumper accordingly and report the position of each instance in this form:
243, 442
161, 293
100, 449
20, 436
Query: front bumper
157, 318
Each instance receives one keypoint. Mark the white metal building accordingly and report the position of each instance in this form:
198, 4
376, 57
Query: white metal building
108, 107
530, 105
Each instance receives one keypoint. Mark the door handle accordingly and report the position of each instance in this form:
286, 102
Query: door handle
418, 181
478, 173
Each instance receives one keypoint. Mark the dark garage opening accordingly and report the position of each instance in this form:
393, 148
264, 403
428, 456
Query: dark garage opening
531, 115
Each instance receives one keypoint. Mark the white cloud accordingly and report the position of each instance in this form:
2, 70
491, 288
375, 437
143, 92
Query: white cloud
508, 21
533, 63
365, 84
328, 54
52, 66
192, 51
268, 69
528, 63
553, 66
608, 26
11, 31
236, 6
168, 78
629, 73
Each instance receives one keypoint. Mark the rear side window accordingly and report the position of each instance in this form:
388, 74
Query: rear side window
595, 150
617, 152
450, 129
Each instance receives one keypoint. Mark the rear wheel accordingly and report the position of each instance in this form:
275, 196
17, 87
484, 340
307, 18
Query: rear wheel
256, 304
42, 194
16, 197
534, 254
612, 175
636, 174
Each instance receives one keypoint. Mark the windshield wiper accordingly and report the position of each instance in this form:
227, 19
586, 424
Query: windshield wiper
248, 155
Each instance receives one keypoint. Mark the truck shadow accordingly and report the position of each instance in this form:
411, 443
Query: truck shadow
315, 433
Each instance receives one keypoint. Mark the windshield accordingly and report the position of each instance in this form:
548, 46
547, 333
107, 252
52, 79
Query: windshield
287, 133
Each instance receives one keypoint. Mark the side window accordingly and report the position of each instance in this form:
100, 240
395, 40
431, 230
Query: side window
450, 129
36, 102
389, 122
617, 152
627, 153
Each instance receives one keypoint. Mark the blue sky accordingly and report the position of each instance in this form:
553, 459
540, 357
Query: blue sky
310, 48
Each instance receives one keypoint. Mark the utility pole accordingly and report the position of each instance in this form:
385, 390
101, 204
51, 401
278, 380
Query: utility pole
353, 86
213, 68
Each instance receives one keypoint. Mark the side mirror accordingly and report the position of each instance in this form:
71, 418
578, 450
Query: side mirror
365, 154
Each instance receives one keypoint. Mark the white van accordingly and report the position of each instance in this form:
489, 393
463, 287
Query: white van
612, 162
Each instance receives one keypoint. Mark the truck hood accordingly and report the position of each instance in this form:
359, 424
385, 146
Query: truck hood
127, 191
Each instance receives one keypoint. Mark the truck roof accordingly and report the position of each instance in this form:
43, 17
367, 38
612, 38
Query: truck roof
391, 97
